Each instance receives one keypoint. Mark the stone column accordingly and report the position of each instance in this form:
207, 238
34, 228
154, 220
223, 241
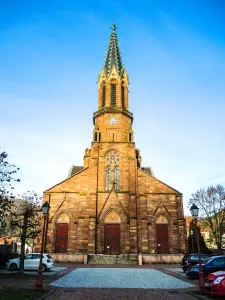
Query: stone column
91, 235
133, 236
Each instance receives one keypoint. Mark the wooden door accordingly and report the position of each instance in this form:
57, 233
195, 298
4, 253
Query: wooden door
61, 242
162, 238
112, 239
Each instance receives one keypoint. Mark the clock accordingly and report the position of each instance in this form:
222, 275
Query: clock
113, 120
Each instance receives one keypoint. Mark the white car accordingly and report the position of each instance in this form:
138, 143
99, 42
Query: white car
31, 262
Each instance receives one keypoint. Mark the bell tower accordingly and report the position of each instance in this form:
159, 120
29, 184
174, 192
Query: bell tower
112, 120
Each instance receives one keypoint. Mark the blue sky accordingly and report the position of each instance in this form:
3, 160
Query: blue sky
174, 52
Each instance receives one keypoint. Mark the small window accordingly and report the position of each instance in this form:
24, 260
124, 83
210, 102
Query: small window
99, 136
130, 137
123, 96
96, 136
113, 94
103, 96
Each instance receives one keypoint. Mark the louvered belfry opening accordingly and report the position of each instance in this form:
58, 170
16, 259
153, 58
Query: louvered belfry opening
103, 96
113, 94
122, 96
130, 137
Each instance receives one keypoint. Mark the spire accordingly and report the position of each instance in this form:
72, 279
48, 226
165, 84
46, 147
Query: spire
113, 57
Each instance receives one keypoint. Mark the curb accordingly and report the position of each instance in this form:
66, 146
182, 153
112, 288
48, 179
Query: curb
46, 295
50, 276
202, 297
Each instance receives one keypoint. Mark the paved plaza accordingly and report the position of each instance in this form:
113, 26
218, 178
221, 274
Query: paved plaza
177, 271
120, 278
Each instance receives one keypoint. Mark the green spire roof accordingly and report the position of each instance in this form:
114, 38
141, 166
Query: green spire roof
113, 57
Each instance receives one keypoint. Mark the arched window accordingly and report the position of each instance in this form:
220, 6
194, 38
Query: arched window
117, 178
112, 170
108, 178
113, 94
122, 96
130, 137
103, 96
96, 136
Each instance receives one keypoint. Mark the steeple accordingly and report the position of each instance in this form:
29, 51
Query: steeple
113, 80
113, 57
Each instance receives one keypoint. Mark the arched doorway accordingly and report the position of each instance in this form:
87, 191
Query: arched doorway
162, 237
112, 234
62, 229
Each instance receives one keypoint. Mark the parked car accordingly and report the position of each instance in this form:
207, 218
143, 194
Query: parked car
192, 259
215, 283
213, 264
31, 262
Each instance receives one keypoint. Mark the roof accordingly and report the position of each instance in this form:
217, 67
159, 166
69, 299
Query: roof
148, 170
74, 170
113, 56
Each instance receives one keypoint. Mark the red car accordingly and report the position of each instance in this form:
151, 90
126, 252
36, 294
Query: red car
215, 283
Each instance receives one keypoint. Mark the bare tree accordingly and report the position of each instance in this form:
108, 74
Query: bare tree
211, 203
25, 217
7, 177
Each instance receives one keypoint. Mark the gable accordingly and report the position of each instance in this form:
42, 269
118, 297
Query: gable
149, 184
76, 183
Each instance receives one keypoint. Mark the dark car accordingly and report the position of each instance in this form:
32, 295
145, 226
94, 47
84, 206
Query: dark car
192, 259
213, 264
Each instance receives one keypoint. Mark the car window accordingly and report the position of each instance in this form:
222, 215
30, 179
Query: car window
218, 261
36, 256
49, 256
205, 257
194, 257
28, 256
208, 260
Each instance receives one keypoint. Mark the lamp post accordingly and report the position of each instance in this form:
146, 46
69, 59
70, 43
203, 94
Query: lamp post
192, 242
45, 211
194, 212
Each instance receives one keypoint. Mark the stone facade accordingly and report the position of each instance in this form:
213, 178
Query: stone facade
113, 187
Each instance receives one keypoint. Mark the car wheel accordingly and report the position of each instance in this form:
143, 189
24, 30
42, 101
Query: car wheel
13, 267
44, 268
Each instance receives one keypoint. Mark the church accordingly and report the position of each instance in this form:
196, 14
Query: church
112, 204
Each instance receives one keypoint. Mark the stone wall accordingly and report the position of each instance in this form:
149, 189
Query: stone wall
162, 258
70, 258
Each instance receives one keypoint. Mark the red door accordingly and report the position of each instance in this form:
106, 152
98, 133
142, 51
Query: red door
162, 238
112, 239
61, 238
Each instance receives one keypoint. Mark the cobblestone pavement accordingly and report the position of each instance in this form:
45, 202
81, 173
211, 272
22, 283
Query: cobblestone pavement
177, 271
120, 278
125, 293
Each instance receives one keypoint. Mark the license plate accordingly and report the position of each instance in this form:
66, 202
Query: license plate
206, 284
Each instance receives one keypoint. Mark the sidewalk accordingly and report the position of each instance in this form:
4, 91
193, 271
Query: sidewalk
119, 294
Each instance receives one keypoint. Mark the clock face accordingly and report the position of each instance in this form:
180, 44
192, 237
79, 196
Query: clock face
113, 120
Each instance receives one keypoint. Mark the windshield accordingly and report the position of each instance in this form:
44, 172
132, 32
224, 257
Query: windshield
207, 260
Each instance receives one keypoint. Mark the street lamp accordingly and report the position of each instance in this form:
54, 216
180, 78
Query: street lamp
45, 211
194, 212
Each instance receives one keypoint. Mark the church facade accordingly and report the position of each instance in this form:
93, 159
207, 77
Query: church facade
112, 204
